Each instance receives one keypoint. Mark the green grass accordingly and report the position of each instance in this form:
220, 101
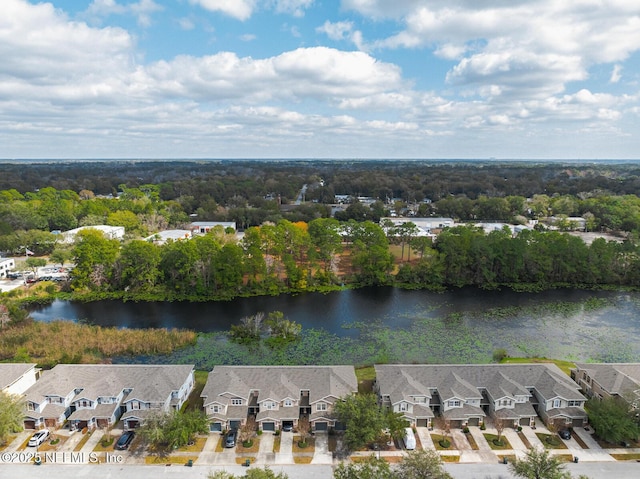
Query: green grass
551, 441
366, 375
632, 456
194, 402
491, 440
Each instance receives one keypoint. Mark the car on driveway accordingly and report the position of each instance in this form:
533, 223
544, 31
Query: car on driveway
564, 434
125, 440
38, 438
230, 439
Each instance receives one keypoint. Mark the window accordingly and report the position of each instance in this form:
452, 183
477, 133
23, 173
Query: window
421, 399
215, 408
269, 405
321, 406
403, 406
135, 405
288, 403
556, 403
236, 402
454, 403
574, 403
30, 406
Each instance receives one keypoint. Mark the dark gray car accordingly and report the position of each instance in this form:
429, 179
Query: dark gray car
230, 440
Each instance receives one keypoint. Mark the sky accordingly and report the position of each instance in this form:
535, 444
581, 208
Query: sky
506, 79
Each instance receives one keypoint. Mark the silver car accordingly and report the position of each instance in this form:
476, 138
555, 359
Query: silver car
38, 438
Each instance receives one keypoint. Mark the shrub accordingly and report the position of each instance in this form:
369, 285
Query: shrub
444, 443
259, 432
482, 427
519, 428
465, 430
277, 433
499, 355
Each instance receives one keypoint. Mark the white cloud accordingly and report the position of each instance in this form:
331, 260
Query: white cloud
142, 10
616, 74
293, 7
243, 9
336, 31
238, 9
498, 41
248, 37
186, 24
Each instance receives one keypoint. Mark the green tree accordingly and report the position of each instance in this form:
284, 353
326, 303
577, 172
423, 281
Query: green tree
34, 263
612, 419
60, 255
11, 415
371, 467
362, 418
94, 256
539, 464
281, 328
173, 429
422, 464
137, 266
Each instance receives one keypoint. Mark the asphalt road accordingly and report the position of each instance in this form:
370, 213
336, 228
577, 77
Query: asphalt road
600, 470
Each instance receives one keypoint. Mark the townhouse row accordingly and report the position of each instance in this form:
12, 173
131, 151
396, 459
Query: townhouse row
100, 395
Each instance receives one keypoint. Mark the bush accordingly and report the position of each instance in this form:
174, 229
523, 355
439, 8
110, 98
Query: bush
247, 444
445, 443
465, 430
499, 355
259, 432
302, 444
519, 428
277, 433
482, 427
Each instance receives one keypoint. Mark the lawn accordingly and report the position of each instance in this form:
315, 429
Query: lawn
492, 441
196, 446
551, 441
439, 437
302, 459
255, 446
366, 375
194, 402
472, 441
632, 456
109, 443
82, 442
450, 458
276, 443
311, 445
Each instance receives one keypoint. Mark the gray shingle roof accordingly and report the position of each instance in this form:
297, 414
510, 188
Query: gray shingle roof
153, 383
279, 382
11, 372
466, 381
615, 378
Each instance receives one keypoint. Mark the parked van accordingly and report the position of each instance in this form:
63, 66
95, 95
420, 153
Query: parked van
409, 439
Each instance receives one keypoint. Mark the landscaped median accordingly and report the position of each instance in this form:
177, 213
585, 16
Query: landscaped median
551, 441
497, 443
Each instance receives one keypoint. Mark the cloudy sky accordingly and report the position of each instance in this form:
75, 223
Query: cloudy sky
320, 79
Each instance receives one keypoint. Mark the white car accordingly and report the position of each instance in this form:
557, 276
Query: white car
38, 438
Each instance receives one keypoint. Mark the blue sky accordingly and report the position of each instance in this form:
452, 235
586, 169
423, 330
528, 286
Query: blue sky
320, 79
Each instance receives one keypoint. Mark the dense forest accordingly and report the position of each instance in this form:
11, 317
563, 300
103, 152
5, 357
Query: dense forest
317, 245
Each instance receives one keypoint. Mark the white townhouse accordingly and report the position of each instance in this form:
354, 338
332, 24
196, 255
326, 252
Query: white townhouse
98, 395
275, 396
16, 378
465, 394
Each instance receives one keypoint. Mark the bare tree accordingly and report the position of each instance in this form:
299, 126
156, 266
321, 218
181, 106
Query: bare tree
499, 424
304, 429
248, 430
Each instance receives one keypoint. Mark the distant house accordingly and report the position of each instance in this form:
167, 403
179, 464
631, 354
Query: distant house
275, 395
424, 226
16, 378
110, 232
162, 237
600, 380
6, 265
98, 395
203, 227
567, 223
466, 394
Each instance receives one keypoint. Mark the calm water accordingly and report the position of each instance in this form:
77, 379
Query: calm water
396, 325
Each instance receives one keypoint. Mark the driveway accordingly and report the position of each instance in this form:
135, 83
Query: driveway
425, 438
285, 456
322, 455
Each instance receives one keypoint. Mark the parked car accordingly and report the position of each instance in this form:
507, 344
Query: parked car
287, 426
38, 438
564, 434
230, 440
125, 440
409, 439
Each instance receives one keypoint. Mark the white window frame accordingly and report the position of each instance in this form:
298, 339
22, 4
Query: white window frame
288, 403
403, 406
556, 403
455, 403
321, 406
236, 402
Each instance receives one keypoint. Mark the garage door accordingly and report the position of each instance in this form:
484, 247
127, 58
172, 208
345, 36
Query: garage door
577, 423
421, 423
322, 426
215, 427
235, 424
473, 421
525, 421
29, 424
268, 426
456, 424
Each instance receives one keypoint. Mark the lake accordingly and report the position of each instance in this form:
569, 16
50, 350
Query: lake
392, 325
